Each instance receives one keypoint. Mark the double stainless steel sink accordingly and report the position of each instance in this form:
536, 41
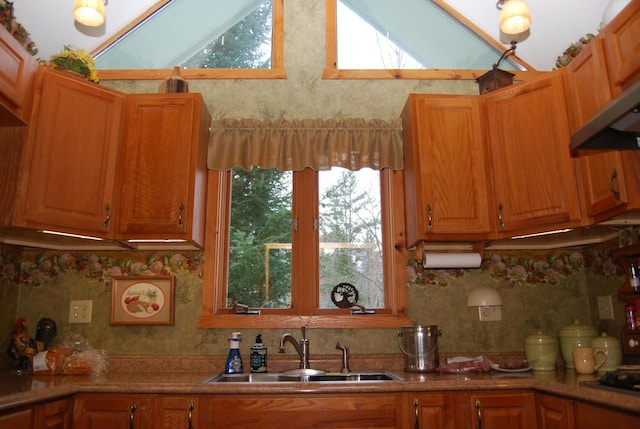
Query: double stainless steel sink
294, 377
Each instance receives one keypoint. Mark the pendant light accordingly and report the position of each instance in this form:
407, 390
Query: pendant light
515, 17
89, 12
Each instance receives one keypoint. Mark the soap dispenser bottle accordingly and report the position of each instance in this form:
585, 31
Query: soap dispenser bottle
234, 360
258, 356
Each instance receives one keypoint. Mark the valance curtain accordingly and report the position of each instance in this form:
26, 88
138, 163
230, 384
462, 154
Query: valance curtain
293, 145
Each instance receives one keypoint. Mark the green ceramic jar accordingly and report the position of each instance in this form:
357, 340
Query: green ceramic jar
572, 336
614, 352
541, 351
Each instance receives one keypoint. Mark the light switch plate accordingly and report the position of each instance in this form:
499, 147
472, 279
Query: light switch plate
605, 307
80, 311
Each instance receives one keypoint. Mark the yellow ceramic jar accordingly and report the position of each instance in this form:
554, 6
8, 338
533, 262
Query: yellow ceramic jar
541, 351
572, 336
614, 352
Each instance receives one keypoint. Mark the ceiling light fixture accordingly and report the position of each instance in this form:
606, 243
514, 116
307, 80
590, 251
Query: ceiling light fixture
89, 12
515, 17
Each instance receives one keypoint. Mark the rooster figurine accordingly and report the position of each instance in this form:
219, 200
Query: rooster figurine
23, 348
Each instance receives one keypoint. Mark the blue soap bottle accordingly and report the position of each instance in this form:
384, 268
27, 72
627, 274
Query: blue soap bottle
234, 360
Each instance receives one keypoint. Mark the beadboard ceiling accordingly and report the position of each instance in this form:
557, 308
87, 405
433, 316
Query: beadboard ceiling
556, 24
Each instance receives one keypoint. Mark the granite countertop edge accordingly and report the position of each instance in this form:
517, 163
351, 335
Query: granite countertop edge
24, 390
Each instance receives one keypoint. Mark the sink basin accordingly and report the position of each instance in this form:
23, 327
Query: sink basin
279, 377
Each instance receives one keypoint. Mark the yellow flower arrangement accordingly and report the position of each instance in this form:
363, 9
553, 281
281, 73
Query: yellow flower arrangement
77, 60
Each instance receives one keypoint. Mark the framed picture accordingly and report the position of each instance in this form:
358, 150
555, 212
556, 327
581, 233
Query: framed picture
142, 300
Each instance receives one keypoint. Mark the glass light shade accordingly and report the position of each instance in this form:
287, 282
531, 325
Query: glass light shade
515, 17
89, 12
484, 296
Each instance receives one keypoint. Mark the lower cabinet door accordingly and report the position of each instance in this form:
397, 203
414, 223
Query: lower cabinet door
503, 409
589, 416
434, 411
107, 411
554, 412
176, 412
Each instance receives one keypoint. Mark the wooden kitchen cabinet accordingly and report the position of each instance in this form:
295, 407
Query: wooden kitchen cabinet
434, 411
70, 159
17, 71
503, 409
533, 173
371, 410
446, 173
554, 412
54, 415
22, 419
112, 411
164, 168
176, 412
591, 416
602, 175
622, 48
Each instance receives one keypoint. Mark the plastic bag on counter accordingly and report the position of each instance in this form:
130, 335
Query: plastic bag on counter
465, 364
72, 355
86, 362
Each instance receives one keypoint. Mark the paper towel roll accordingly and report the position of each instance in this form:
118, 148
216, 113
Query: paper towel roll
452, 260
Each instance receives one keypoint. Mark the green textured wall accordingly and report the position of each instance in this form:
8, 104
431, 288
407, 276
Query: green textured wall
541, 291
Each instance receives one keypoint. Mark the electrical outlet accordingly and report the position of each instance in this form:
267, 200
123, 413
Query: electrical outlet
490, 314
605, 307
80, 311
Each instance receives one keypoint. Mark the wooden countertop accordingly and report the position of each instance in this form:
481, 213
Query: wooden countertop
20, 390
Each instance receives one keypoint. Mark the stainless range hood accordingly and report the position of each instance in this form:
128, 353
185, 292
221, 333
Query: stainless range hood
616, 126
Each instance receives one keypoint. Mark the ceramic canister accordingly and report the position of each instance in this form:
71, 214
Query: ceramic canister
614, 352
574, 335
541, 351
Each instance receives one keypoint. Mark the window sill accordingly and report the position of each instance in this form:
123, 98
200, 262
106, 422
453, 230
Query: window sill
291, 321
193, 74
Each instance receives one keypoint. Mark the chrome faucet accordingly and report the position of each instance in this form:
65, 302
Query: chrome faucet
302, 349
345, 358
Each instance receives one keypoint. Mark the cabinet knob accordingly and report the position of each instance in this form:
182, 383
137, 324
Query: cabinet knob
616, 193
501, 224
180, 215
633, 343
107, 209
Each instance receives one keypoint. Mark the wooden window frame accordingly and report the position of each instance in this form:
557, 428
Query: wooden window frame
332, 71
306, 312
276, 71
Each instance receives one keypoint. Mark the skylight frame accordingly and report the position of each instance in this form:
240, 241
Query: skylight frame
276, 71
332, 71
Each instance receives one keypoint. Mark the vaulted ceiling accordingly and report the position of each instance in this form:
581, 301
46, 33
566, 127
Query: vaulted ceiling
555, 24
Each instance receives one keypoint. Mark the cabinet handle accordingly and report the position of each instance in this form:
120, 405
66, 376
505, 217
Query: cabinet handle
416, 406
429, 218
190, 418
180, 215
501, 224
107, 208
479, 410
616, 194
131, 414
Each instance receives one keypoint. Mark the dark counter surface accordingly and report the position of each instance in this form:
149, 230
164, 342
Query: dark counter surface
126, 377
